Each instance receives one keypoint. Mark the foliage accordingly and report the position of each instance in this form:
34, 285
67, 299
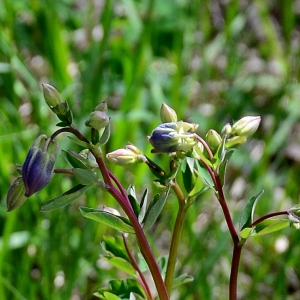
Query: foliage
234, 60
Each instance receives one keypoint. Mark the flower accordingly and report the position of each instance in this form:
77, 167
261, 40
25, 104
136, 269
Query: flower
174, 136
246, 126
38, 167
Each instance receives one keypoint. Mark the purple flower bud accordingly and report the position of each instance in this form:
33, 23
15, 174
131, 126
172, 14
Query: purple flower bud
172, 137
38, 167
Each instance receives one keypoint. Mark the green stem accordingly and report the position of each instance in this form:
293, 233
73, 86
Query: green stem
182, 209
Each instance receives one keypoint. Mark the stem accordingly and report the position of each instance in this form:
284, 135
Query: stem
270, 215
222, 201
201, 140
236, 256
182, 209
135, 265
143, 243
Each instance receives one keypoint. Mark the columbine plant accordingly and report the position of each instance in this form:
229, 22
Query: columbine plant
200, 161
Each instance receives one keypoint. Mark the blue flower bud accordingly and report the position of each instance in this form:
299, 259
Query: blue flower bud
38, 167
172, 137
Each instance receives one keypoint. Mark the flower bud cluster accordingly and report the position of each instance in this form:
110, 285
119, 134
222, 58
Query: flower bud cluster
174, 136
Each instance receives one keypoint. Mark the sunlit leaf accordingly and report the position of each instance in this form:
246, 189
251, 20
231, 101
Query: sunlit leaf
108, 219
76, 160
269, 226
66, 198
105, 135
133, 200
144, 203
246, 218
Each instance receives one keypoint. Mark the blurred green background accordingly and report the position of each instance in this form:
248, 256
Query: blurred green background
213, 61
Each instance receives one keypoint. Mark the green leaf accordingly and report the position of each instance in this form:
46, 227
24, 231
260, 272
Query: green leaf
246, 232
79, 142
133, 200
122, 264
269, 226
86, 177
76, 160
108, 219
105, 135
125, 287
66, 197
188, 176
155, 209
114, 246
204, 174
182, 279
156, 169
144, 202
246, 218
223, 165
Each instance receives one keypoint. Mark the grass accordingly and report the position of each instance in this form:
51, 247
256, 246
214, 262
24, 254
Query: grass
213, 63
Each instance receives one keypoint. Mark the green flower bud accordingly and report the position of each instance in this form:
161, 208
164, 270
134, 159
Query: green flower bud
235, 141
101, 107
59, 107
167, 114
97, 120
127, 156
51, 95
213, 139
16, 195
226, 129
246, 126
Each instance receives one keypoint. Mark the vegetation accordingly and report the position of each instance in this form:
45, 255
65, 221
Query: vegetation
213, 63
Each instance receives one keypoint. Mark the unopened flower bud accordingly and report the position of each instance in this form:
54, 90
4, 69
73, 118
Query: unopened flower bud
101, 107
124, 157
51, 95
235, 141
226, 129
172, 137
167, 114
213, 139
246, 126
97, 120
38, 167
16, 195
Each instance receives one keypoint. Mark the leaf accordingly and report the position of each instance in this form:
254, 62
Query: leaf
246, 218
246, 232
133, 201
76, 160
114, 246
125, 287
189, 178
155, 209
269, 226
122, 264
86, 177
106, 218
182, 279
79, 142
66, 198
105, 135
204, 174
144, 202
156, 169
